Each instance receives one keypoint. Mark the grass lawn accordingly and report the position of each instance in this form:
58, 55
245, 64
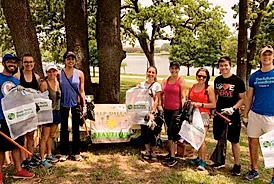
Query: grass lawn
122, 163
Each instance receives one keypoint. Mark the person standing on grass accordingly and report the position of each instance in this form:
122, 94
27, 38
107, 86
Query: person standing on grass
259, 107
155, 90
7, 82
29, 79
50, 84
203, 97
230, 92
72, 84
174, 97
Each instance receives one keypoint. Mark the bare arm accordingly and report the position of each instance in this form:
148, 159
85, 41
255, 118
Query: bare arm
183, 91
248, 101
156, 101
17, 75
82, 86
240, 101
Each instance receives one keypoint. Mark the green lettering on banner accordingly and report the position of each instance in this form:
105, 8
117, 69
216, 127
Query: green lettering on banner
105, 135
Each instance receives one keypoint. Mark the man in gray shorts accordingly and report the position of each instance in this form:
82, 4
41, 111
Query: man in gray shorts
260, 107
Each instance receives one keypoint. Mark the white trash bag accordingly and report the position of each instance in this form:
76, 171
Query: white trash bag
267, 147
193, 133
139, 104
19, 110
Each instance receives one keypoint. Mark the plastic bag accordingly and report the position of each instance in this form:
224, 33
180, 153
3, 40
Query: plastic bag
139, 103
19, 110
44, 113
194, 133
267, 147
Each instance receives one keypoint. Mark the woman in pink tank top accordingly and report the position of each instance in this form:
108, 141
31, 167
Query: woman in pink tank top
174, 96
203, 97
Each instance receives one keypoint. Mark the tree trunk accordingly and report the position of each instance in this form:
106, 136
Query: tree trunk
17, 13
212, 72
242, 40
188, 70
149, 53
77, 36
110, 53
253, 38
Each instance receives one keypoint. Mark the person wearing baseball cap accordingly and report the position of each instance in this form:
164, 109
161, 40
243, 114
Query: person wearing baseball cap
72, 98
7, 82
259, 107
52, 85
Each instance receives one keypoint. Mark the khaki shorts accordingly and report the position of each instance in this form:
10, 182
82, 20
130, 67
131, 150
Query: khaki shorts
205, 118
259, 124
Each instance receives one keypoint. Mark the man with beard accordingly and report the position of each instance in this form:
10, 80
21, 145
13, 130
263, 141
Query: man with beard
7, 82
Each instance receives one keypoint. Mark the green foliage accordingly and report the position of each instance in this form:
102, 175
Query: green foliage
200, 45
6, 43
230, 46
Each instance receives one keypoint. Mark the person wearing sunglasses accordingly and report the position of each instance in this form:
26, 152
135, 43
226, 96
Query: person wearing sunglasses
51, 85
259, 109
29, 79
174, 97
155, 90
203, 97
230, 92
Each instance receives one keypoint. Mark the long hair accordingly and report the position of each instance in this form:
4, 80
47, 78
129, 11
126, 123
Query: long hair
207, 77
155, 71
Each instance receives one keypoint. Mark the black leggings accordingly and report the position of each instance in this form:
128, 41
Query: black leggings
169, 119
148, 135
64, 134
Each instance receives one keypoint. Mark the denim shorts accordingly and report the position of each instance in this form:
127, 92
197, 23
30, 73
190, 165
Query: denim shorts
56, 118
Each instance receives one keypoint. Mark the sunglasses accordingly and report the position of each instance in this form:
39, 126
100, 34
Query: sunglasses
28, 62
201, 76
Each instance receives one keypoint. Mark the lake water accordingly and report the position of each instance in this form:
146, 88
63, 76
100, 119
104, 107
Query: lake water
138, 65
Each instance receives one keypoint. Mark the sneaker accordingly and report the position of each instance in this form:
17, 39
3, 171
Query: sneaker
172, 162
52, 159
218, 166
202, 165
23, 174
146, 156
154, 156
252, 174
46, 164
63, 158
195, 161
33, 163
236, 170
1, 178
25, 164
272, 180
167, 157
78, 158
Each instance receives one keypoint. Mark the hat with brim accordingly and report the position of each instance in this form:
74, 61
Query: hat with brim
265, 49
68, 54
10, 56
51, 66
174, 63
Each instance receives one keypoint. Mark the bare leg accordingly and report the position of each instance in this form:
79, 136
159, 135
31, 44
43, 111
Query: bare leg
202, 151
2, 159
147, 148
172, 148
51, 137
236, 153
16, 159
44, 139
30, 141
253, 150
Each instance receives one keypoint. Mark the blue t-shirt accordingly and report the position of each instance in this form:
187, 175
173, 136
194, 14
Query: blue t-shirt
263, 84
6, 83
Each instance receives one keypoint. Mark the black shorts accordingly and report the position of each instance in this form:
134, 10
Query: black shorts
5, 145
56, 118
234, 130
169, 117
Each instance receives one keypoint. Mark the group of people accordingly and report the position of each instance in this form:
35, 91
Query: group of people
227, 97
66, 90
